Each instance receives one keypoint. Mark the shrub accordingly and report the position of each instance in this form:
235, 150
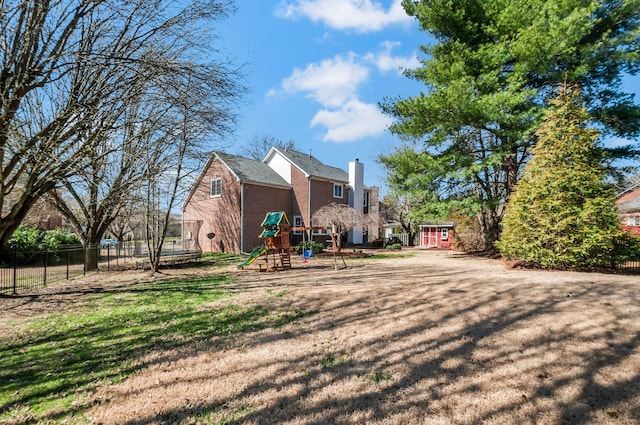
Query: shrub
314, 246
28, 240
395, 246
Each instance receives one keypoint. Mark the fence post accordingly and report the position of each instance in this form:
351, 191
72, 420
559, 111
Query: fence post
15, 270
44, 277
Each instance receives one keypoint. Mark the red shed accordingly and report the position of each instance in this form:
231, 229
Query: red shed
436, 235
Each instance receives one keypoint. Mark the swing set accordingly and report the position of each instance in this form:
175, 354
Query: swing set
308, 253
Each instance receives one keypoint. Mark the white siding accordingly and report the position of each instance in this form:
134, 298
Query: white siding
356, 180
281, 166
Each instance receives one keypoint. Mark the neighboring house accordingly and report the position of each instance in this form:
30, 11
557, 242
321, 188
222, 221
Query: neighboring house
629, 209
232, 195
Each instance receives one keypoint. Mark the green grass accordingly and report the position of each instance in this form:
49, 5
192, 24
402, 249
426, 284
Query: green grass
48, 369
395, 254
378, 377
278, 294
224, 259
332, 360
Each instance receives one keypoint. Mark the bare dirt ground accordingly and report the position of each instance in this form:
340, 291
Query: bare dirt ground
432, 338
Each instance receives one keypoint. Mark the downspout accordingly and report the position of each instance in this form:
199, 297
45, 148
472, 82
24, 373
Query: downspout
242, 217
308, 223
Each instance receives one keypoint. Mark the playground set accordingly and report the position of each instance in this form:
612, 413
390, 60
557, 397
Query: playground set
276, 249
275, 252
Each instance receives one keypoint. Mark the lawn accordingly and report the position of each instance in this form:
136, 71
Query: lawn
412, 338
50, 363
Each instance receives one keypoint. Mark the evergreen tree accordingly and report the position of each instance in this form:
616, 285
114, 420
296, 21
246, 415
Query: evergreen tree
562, 214
489, 69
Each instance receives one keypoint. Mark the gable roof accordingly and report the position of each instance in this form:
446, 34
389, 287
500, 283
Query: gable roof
252, 171
630, 206
629, 200
310, 165
245, 170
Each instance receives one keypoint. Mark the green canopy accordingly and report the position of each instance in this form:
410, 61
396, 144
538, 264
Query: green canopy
273, 219
269, 233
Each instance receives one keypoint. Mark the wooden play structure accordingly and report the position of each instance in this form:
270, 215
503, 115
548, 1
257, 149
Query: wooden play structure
276, 250
277, 255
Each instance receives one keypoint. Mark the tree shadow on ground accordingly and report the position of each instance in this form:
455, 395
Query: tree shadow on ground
452, 348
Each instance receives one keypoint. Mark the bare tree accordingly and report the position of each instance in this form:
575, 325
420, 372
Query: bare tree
193, 118
259, 147
67, 72
406, 209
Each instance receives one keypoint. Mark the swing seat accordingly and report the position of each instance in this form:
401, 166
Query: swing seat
307, 253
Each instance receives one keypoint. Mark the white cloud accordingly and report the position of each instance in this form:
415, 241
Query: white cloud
384, 61
361, 15
331, 82
334, 83
353, 121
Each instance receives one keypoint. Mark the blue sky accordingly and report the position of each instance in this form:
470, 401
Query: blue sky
316, 71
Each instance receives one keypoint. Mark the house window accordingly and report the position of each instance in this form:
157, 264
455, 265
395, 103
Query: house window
297, 222
633, 221
366, 199
320, 232
444, 234
215, 188
337, 190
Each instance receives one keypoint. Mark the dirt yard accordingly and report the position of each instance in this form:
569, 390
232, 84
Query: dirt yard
431, 338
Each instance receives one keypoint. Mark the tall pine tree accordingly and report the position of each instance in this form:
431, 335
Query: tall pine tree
489, 68
562, 214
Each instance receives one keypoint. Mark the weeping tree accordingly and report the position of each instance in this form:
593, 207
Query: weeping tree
562, 213
341, 218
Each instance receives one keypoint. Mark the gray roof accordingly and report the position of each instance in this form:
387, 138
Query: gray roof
253, 171
313, 167
632, 205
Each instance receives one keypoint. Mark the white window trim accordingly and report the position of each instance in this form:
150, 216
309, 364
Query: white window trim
341, 190
444, 234
219, 184
297, 222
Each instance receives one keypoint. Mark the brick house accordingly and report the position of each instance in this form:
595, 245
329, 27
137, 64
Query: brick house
629, 209
232, 194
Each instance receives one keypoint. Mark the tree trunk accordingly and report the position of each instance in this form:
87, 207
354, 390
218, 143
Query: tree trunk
490, 225
91, 257
7, 227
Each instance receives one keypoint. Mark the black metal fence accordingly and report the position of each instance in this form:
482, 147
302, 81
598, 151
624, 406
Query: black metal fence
632, 265
23, 272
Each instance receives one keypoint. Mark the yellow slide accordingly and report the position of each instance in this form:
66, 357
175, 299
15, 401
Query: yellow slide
254, 255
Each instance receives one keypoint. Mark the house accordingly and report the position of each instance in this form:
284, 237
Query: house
628, 204
232, 194
436, 235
